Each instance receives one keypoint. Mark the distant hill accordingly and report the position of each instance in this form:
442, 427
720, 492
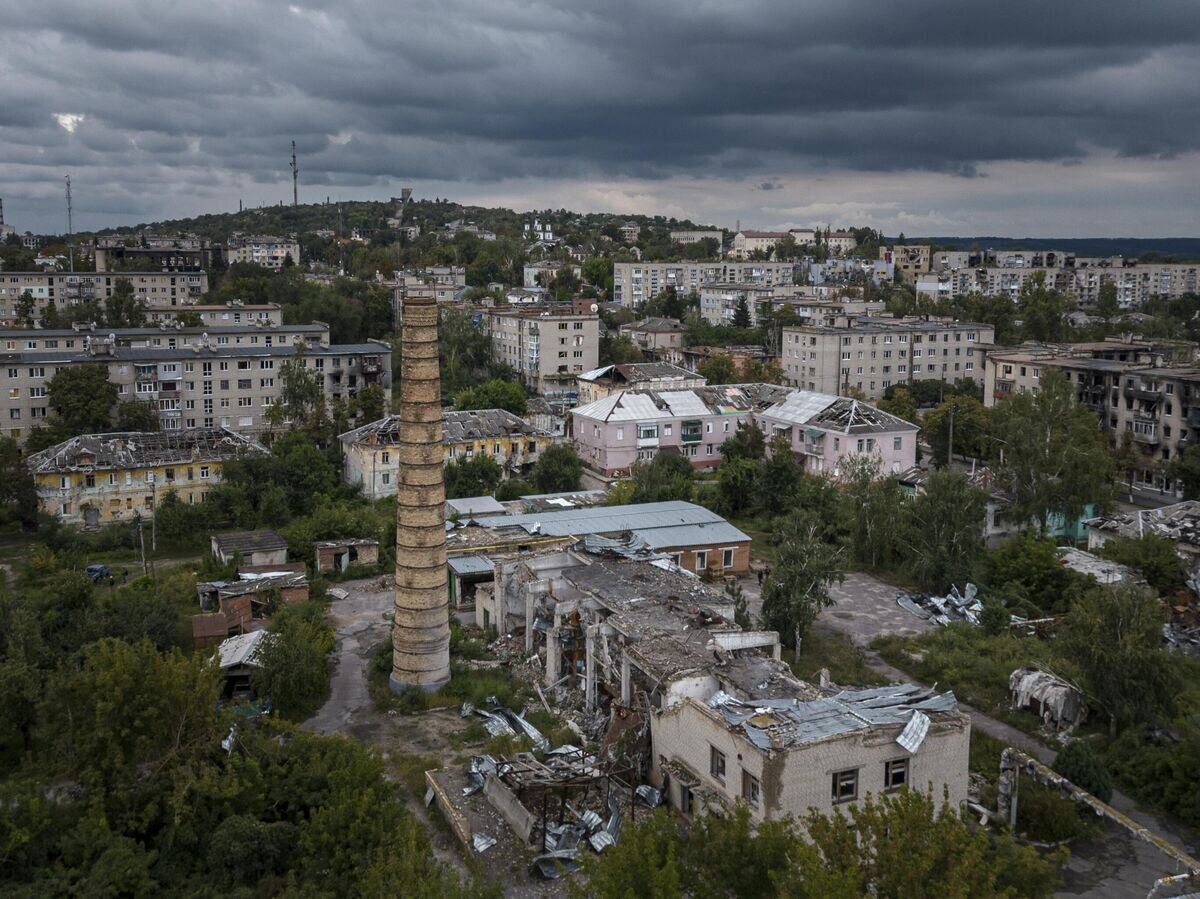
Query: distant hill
1179, 248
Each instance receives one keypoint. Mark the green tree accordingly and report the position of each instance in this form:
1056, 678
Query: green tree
797, 588
900, 404
558, 470
747, 442
668, 476
1112, 639
136, 415
82, 399
943, 533
477, 476
741, 315
1185, 468
970, 422
24, 308
123, 309
741, 606
1055, 462
18, 493
1025, 569
618, 349
1107, 305
293, 660
1079, 763
737, 485
1043, 311
874, 512
371, 403
495, 394
1151, 554
779, 477
301, 393
755, 371
718, 369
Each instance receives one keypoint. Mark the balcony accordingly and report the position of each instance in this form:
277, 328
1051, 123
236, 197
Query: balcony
691, 432
1193, 417
1143, 393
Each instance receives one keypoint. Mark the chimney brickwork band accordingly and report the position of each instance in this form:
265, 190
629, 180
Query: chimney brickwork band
421, 622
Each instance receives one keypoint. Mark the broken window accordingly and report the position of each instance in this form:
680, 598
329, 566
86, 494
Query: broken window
845, 786
895, 774
716, 763
750, 789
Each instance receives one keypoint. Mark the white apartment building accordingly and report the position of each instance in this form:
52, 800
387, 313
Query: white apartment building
64, 289
547, 348
719, 302
876, 353
1136, 283
634, 283
747, 242
205, 385
690, 237
266, 250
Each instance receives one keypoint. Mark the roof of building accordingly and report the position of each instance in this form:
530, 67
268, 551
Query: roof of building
1179, 522
117, 451
241, 650
1104, 571
634, 372
655, 324
774, 234
255, 326
789, 722
457, 427
346, 541
150, 355
648, 405
657, 525
213, 624
248, 542
474, 505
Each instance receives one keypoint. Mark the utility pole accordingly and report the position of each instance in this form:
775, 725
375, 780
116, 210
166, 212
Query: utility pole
950, 442
153, 511
142, 544
295, 178
70, 228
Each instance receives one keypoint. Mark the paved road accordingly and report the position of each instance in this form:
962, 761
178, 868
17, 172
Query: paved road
1115, 866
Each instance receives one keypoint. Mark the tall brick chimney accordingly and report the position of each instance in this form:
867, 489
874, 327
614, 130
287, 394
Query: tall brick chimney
421, 626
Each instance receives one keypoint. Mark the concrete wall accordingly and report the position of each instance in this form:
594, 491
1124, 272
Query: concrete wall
800, 780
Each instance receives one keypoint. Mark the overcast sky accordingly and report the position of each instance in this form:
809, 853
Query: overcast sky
925, 116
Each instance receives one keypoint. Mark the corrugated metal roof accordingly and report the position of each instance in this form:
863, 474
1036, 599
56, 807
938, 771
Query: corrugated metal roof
240, 650
474, 505
605, 519
461, 565
800, 407
713, 532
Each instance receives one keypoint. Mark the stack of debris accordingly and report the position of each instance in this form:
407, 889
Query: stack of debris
1058, 703
943, 610
502, 722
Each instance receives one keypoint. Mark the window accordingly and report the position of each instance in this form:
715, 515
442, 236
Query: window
701, 559
89, 480
750, 789
727, 557
895, 775
620, 433
716, 763
687, 800
203, 472
845, 786
897, 442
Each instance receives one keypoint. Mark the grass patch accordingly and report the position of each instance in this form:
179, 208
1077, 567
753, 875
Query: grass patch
474, 685
846, 662
761, 538
411, 770
964, 659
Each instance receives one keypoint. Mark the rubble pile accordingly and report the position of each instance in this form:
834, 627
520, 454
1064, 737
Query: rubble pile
944, 610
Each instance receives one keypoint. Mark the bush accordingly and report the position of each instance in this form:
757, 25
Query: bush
1044, 815
1082, 765
1159, 771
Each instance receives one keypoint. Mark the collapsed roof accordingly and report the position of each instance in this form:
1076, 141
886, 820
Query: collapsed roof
140, 449
457, 427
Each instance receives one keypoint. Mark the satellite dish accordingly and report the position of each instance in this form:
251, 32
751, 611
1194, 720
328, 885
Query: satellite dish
595, 307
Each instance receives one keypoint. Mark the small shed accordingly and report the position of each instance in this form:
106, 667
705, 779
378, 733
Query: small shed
209, 629
338, 555
255, 547
238, 657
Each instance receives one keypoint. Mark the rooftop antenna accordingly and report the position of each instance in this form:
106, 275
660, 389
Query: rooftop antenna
295, 178
341, 246
70, 228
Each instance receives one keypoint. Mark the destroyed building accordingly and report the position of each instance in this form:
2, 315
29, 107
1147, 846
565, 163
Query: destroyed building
1179, 523
252, 547
98, 479
642, 640
338, 555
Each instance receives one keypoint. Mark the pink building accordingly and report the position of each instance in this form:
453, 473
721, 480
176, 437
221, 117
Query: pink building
614, 432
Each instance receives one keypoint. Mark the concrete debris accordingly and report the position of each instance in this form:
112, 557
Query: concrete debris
946, 609
337, 592
482, 842
1058, 703
1182, 639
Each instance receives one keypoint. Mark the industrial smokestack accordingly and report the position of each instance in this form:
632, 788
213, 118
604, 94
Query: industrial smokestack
421, 625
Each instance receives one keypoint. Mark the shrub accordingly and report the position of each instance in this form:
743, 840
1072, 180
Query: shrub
1082, 765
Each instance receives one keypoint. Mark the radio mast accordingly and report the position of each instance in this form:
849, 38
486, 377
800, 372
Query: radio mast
295, 178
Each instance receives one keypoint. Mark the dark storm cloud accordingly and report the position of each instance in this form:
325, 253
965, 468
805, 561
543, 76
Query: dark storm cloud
198, 97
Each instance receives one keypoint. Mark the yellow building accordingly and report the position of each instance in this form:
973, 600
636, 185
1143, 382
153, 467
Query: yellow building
98, 479
370, 459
